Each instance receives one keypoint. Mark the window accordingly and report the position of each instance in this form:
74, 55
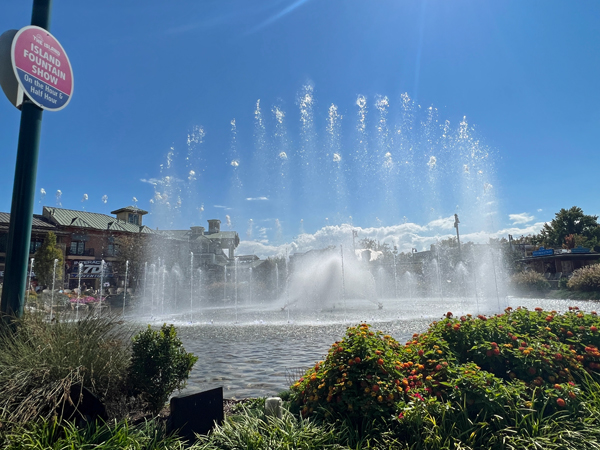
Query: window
77, 248
34, 245
134, 219
112, 250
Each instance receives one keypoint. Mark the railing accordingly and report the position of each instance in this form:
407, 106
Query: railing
84, 252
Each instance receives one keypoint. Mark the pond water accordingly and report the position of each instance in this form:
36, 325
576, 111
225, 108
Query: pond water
265, 349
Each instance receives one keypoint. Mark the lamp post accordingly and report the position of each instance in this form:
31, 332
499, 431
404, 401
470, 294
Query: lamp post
456, 222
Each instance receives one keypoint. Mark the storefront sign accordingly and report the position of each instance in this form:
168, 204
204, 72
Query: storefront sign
91, 269
580, 250
543, 252
42, 68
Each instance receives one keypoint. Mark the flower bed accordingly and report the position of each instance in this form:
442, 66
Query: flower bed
85, 300
492, 369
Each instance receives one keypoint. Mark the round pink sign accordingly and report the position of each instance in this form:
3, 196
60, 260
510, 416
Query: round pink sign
42, 67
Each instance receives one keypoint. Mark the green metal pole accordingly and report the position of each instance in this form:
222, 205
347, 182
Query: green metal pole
21, 211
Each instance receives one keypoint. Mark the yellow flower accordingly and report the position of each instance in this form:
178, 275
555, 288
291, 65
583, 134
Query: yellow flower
349, 383
428, 378
439, 352
367, 390
380, 398
373, 394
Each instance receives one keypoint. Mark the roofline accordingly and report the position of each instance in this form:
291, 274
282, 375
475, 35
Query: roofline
130, 208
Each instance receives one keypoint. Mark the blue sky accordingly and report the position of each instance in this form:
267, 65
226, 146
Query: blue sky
156, 78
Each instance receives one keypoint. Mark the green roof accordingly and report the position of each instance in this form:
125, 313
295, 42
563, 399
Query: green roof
95, 221
37, 222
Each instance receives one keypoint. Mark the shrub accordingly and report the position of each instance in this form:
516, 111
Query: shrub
40, 361
563, 283
585, 279
530, 280
159, 365
461, 373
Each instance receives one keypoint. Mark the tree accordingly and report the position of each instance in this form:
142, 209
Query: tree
372, 244
44, 262
584, 228
137, 249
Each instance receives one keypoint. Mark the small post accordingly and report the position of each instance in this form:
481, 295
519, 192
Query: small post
23, 198
273, 407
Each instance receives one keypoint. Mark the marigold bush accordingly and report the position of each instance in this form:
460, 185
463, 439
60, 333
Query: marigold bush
530, 280
518, 360
585, 279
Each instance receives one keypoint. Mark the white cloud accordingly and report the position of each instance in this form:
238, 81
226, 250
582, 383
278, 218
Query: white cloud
446, 223
252, 199
222, 207
540, 210
405, 236
520, 218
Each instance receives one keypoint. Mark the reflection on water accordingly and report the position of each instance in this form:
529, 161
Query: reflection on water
252, 357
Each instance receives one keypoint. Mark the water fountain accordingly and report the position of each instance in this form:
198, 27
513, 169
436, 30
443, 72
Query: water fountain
53, 283
365, 168
102, 266
191, 287
77, 304
125, 285
30, 277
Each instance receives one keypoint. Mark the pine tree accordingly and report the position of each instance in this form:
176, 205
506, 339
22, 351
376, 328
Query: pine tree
44, 262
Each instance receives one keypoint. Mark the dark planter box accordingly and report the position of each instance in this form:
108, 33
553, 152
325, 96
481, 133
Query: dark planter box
196, 413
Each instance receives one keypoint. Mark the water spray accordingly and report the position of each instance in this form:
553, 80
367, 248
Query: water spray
79, 273
191, 286
53, 281
125, 287
30, 278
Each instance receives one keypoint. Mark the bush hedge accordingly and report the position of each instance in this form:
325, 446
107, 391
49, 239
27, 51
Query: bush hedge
159, 365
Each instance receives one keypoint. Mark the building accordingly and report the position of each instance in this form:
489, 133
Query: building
559, 263
88, 238
39, 229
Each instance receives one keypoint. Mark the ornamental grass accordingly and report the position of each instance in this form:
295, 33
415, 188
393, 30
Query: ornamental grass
586, 279
530, 280
41, 361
